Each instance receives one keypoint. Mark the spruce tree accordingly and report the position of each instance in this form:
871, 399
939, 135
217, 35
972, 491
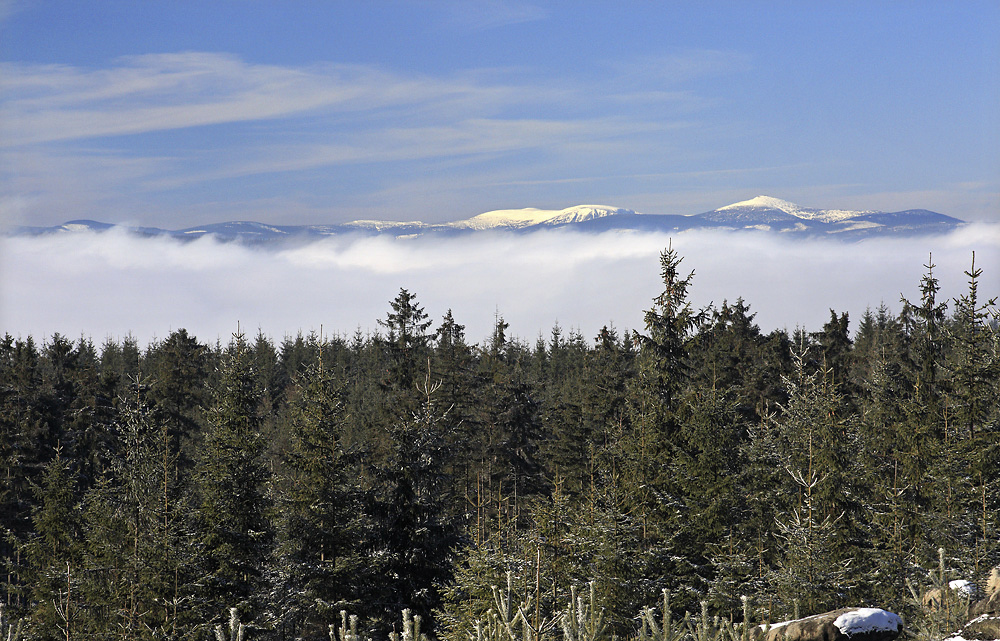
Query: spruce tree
235, 532
454, 367
561, 394
924, 324
412, 534
926, 430
656, 400
22, 456
972, 448
178, 379
817, 442
507, 448
889, 490
317, 541
407, 344
835, 355
54, 554
972, 366
138, 578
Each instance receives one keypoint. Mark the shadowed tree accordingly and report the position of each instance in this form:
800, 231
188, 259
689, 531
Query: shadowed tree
317, 562
656, 401
235, 532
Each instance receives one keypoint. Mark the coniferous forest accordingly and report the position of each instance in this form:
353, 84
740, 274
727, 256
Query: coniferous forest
698, 465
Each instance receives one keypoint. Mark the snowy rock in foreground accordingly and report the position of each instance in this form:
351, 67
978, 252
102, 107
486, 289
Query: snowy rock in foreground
864, 620
855, 624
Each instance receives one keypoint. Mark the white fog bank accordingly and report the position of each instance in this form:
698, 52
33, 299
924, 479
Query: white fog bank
113, 284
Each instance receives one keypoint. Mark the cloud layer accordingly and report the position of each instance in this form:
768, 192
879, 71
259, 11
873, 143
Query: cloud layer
112, 284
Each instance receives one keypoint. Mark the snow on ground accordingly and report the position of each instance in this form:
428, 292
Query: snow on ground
774, 626
867, 620
963, 587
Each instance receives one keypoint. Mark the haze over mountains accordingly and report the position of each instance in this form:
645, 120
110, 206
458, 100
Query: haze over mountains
762, 214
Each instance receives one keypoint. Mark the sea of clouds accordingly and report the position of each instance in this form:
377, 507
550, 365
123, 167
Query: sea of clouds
109, 285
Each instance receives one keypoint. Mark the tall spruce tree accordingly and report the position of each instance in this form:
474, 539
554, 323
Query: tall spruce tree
510, 471
972, 445
138, 580
889, 490
924, 324
561, 395
235, 532
454, 367
178, 371
971, 363
412, 534
22, 455
656, 400
818, 439
926, 420
54, 554
317, 543
819, 535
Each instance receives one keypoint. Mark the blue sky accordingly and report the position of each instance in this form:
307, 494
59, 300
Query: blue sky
177, 113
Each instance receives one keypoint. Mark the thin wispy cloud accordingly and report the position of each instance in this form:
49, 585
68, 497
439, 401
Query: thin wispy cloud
46, 103
476, 137
9, 7
675, 68
479, 15
85, 141
172, 91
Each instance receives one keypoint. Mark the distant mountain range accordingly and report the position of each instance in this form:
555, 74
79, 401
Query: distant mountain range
763, 213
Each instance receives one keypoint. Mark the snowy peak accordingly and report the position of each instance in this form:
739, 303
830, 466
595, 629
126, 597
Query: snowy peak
77, 226
764, 202
769, 209
521, 218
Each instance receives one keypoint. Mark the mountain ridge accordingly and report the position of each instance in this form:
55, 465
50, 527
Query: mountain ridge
761, 214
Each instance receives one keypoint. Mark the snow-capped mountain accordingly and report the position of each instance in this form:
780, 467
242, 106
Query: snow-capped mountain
522, 218
767, 204
773, 214
763, 214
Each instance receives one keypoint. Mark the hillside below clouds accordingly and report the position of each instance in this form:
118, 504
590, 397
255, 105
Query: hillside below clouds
760, 214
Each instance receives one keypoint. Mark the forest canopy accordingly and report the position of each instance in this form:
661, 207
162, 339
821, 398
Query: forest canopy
147, 490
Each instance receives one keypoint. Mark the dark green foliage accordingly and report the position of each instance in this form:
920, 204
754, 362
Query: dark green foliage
144, 493
972, 366
53, 553
654, 477
924, 325
510, 433
411, 536
231, 480
316, 557
137, 536
834, 353
820, 520
177, 371
406, 344
730, 356
21, 455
